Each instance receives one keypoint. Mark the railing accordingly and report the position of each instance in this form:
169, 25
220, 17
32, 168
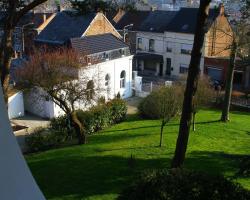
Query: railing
240, 101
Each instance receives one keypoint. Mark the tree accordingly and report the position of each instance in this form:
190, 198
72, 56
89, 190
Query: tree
54, 76
13, 10
203, 97
240, 47
169, 103
87, 6
191, 86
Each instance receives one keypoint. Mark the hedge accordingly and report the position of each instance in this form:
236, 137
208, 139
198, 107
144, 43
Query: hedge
179, 184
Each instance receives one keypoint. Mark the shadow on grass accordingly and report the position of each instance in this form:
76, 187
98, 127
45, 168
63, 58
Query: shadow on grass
83, 177
167, 125
214, 162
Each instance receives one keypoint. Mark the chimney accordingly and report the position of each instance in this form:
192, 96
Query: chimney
44, 17
222, 9
58, 7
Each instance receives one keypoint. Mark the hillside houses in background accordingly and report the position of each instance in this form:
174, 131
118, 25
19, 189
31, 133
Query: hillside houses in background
163, 40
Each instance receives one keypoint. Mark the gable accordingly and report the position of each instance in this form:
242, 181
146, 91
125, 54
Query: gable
63, 26
101, 25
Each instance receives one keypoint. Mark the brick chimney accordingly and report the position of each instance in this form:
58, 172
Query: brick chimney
119, 15
222, 9
44, 17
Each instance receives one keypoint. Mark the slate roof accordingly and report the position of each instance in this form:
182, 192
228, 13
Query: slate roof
185, 20
64, 26
97, 43
157, 21
182, 21
134, 17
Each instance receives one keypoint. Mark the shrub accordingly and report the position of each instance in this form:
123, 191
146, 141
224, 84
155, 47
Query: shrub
118, 110
244, 167
43, 139
180, 184
88, 121
103, 115
148, 107
59, 125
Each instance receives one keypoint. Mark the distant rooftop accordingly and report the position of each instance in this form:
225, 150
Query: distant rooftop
64, 26
182, 21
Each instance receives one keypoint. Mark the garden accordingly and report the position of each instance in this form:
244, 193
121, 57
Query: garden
114, 157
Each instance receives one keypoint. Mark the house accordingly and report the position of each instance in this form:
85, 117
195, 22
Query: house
99, 45
164, 40
69, 24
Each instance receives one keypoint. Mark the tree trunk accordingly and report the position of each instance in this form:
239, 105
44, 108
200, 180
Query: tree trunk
191, 86
80, 132
5, 59
161, 136
194, 114
229, 85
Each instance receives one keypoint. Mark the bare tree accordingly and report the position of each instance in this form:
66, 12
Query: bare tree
191, 86
169, 103
13, 11
56, 73
204, 96
239, 48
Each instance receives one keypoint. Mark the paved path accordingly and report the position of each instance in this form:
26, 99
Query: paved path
132, 104
31, 122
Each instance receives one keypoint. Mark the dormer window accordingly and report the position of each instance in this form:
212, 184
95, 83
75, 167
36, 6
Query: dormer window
105, 56
122, 52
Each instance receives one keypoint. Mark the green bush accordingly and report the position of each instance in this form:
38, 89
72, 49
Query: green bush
118, 110
88, 121
148, 107
43, 139
180, 184
103, 115
59, 124
244, 167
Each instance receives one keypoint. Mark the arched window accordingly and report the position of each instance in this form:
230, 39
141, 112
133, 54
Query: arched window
107, 80
90, 90
123, 79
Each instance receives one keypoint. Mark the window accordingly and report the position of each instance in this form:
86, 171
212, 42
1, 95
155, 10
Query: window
107, 80
168, 70
123, 79
151, 45
186, 49
90, 90
105, 56
139, 43
122, 52
183, 69
169, 47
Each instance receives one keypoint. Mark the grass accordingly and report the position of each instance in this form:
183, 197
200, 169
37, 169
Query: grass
101, 169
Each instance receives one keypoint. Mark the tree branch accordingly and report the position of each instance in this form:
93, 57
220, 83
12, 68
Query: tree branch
27, 8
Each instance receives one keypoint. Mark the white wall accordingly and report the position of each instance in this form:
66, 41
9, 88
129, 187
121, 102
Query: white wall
36, 103
161, 41
16, 105
47, 109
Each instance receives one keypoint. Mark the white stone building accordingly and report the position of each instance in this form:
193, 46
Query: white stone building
107, 57
109, 68
164, 40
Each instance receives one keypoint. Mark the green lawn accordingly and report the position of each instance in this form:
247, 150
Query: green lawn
100, 169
